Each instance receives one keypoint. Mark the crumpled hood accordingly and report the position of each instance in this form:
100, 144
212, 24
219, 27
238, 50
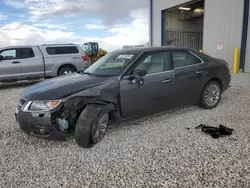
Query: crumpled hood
63, 86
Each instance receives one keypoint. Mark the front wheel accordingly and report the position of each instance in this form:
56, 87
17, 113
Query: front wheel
91, 125
211, 95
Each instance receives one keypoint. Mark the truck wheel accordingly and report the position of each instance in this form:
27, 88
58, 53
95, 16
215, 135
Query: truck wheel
211, 95
91, 126
65, 70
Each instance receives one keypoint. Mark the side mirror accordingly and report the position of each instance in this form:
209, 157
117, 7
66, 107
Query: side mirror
140, 72
137, 74
129, 77
1, 58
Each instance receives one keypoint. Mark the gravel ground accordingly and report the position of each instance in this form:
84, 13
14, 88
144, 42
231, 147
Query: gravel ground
155, 151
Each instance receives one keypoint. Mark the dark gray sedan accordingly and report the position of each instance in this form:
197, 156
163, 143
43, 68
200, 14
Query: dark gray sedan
124, 84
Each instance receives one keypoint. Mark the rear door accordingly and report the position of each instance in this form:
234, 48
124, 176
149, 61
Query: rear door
157, 91
10, 68
190, 77
31, 62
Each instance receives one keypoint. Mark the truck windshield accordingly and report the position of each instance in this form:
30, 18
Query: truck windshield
111, 64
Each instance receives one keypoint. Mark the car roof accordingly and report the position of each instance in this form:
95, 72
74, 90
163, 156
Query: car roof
150, 48
18, 46
45, 45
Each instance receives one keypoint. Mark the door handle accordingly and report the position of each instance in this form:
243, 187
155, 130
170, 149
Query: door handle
166, 81
15, 62
199, 71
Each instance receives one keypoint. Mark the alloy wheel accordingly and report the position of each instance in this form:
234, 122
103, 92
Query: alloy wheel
100, 128
212, 95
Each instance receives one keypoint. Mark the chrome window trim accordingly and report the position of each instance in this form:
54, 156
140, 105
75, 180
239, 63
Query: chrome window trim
188, 51
202, 62
158, 73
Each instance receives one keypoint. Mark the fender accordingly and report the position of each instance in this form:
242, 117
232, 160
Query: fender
108, 106
73, 107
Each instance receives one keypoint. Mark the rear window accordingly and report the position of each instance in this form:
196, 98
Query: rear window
62, 50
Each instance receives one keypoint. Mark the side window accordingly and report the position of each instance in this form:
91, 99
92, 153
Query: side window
25, 53
155, 63
62, 50
9, 54
184, 58
148, 59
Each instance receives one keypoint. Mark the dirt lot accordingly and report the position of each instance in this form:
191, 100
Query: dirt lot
163, 150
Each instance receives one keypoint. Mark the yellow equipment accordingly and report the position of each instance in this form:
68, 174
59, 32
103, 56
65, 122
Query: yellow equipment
93, 51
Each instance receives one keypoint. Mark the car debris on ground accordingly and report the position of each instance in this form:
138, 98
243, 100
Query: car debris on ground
216, 132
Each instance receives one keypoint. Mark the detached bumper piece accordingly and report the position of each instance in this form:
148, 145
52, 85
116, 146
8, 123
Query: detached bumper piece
216, 132
35, 125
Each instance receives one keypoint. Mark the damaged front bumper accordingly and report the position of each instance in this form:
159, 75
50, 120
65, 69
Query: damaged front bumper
39, 124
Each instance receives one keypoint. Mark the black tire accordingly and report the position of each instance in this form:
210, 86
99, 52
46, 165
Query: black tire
204, 101
87, 124
63, 70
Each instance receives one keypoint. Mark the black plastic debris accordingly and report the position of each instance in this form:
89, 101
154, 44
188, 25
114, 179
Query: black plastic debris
216, 132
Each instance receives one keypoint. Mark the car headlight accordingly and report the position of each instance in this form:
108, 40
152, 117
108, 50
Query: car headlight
42, 105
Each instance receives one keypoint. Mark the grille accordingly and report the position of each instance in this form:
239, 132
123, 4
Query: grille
22, 101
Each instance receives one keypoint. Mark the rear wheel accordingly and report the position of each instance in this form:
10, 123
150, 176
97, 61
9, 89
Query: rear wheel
91, 125
65, 70
211, 95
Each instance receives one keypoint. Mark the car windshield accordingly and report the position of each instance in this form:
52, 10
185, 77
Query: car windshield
111, 64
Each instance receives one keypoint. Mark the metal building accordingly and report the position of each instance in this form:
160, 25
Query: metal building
217, 27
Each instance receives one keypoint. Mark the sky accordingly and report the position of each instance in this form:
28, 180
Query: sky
111, 23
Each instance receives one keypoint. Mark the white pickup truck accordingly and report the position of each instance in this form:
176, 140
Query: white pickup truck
30, 62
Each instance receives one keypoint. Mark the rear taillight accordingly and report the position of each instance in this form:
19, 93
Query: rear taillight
84, 58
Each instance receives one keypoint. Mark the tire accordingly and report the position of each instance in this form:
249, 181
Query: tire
65, 70
88, 124
206, 101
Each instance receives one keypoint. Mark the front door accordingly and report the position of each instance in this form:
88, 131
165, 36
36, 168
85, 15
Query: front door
32, 64
190, 77
10, 67
155, 93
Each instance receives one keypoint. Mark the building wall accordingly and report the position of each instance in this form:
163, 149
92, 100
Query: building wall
157, 7
223, 22
247, 58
